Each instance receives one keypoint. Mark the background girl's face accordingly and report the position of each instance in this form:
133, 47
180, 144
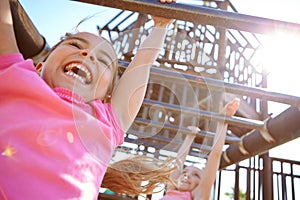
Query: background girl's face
189, 179
83, 63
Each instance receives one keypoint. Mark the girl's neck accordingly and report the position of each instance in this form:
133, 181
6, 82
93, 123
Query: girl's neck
74, 99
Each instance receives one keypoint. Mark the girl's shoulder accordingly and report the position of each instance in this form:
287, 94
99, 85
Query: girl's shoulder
7, 60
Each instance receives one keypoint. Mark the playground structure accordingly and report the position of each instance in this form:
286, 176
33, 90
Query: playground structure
209, 56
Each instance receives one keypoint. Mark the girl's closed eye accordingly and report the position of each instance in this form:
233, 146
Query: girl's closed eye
106, 62
75, 44
197, 175
103, 62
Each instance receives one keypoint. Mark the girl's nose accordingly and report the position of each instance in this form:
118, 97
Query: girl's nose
86, 53
185, 176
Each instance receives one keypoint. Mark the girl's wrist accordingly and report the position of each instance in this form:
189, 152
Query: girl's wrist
161, 22
161, 25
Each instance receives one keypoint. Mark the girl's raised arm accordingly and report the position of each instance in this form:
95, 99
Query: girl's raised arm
181, 155
202, 191
7, 35
128, 95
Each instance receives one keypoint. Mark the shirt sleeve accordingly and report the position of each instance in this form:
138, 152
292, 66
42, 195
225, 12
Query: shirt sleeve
109, 122
116, 124
8, 60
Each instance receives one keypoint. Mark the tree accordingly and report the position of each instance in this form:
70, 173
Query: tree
242, 195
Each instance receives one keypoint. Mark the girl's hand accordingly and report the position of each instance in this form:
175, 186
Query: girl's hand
194, 130
231, 107
167, 1
160, 22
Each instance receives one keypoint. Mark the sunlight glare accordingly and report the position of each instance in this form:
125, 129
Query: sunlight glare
9, 151
280, 60
280, 52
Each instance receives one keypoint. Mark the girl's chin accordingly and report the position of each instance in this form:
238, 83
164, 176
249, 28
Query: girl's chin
183, 188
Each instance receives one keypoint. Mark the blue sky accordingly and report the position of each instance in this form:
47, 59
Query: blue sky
53, 18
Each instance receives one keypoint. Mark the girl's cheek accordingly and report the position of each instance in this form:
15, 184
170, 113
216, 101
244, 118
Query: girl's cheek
196, 180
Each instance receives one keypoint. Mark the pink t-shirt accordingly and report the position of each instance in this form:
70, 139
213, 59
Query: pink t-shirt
177, 195
50, 146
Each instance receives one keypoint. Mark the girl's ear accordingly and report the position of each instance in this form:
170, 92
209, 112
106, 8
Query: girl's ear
39, 67
107, 98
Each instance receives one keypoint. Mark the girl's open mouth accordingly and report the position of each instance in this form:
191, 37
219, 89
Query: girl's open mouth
79, 72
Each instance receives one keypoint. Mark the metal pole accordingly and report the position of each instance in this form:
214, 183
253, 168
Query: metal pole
214, 84
267, 178
160, 125
281, 129
30, 42
238, 121
230, 87
200, 15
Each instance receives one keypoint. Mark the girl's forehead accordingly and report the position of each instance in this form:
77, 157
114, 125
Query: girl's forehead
89, 37
94, 41
192, 168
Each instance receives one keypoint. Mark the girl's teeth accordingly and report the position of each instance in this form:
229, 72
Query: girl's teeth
84, 77
81, 79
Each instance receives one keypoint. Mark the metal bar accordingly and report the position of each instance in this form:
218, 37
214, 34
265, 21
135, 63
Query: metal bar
283, 128
283, 183
215, 84
239, 121
248, 180
233, 88
267, 177
163, 142
202, 134
219, 185
200, 15
30, 42
292, 181
237, 182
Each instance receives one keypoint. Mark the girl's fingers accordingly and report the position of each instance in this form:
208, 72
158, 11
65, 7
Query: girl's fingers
194, 129
232, 107
167, 1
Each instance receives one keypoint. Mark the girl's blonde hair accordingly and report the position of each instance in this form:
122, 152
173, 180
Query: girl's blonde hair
138, 175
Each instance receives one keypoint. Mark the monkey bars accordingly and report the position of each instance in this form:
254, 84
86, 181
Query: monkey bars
200, 15
266, 134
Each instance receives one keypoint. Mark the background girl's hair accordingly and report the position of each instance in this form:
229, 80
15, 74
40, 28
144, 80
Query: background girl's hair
138, 175
86, 19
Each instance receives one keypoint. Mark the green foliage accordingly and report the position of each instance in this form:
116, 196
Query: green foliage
242, 195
